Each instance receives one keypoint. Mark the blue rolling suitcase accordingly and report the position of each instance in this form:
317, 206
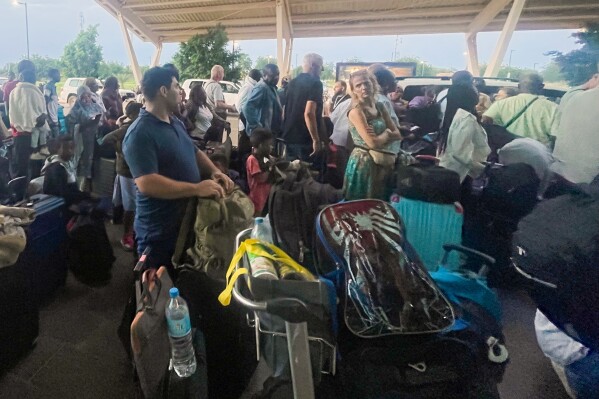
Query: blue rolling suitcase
44, 260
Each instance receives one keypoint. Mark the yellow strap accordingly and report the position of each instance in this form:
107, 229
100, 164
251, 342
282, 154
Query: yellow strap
256, 247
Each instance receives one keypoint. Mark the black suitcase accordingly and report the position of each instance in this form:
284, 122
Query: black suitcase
104, 174
19, 314
429, 183
44, 260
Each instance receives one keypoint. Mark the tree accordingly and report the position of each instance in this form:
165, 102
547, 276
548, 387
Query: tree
44, 64
579, 65
111, 68
82, 57
261, 62
552, 73
508, 72
199, 54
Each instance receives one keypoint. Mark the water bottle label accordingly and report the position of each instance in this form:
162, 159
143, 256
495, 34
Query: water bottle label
178, 328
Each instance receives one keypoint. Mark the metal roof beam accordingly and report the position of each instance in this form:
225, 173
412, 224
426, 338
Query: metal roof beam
504, 38
115, 8
205, 9
487, 15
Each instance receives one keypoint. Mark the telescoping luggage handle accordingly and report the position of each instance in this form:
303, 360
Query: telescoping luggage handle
294, 312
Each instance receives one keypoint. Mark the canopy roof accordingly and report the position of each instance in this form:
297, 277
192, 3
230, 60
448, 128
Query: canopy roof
178, 20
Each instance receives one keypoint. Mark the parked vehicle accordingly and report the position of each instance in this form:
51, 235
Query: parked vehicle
230, 89
413, 86
68, 94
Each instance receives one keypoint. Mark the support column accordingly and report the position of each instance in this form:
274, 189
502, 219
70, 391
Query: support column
472, 52
130, 50
504, 38
280, 10
157, 54
287, 63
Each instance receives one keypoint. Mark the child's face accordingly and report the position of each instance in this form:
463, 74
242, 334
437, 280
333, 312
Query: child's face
66, 151
265, 148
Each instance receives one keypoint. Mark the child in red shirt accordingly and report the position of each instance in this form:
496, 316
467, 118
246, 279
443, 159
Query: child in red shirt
257, 168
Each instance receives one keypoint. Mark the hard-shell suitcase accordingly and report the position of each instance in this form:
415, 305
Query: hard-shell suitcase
104, 174
20, 316
44, 260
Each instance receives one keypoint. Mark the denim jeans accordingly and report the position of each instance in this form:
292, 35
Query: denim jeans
583, 376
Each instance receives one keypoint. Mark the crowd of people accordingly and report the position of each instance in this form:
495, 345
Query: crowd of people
363, 129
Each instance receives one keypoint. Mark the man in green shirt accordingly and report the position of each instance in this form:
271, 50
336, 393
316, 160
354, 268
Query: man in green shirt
528, 114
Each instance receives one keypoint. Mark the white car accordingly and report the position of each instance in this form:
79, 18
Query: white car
230, 89
68, 94
413, 85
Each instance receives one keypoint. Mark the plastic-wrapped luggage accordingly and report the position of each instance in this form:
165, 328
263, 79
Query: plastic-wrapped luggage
425, 339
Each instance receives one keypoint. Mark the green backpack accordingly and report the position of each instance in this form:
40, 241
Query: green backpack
207, 236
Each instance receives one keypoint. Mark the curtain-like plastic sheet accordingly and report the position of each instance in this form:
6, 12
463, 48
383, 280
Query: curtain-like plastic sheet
388, 290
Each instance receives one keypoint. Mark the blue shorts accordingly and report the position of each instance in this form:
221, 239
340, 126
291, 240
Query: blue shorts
124, 193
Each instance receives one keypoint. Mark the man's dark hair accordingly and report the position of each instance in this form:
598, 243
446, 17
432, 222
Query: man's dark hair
342, 83
25, 65
173, 68
220, 158
272, 68
55, 144
28, 76
133, 108
384, 77
111, 83
255, 74
259, 136
154, 79
53, 72
462, 78
531, 83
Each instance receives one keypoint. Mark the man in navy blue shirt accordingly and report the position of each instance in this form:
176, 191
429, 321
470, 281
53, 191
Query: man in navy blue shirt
166, 166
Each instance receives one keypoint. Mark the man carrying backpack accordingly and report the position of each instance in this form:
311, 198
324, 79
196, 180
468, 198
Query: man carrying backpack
166, 167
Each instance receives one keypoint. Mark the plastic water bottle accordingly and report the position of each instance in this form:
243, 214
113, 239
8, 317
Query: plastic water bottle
262, 267
261, 230
179, 333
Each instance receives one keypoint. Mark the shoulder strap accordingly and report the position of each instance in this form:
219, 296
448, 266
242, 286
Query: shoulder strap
186, 227
519, 114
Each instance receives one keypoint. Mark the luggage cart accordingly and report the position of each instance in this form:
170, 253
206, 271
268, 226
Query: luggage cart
295, 314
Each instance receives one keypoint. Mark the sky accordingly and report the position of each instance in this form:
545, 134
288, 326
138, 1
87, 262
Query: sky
54, 23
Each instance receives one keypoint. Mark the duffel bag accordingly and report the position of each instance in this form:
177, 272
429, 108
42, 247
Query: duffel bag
429, 183
557, 248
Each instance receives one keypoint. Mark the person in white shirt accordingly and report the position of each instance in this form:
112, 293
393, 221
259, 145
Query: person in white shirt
214, 92
577, 138
249, 82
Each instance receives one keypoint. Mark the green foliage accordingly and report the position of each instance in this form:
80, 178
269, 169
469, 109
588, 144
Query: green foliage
261, 62
199, 54
579, 65
82, 57
42, 65
552, 73
508, 72
244, 63
423, 68
111, 68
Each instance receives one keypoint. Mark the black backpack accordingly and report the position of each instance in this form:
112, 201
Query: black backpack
511, 190
557, 248
90, 253
294, 202
429, 183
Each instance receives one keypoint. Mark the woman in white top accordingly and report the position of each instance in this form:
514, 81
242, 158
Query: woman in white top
199, 113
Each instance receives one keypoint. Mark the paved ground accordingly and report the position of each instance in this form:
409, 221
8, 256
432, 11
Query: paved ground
78, 354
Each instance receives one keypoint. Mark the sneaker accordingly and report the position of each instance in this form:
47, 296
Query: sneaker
128, 243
